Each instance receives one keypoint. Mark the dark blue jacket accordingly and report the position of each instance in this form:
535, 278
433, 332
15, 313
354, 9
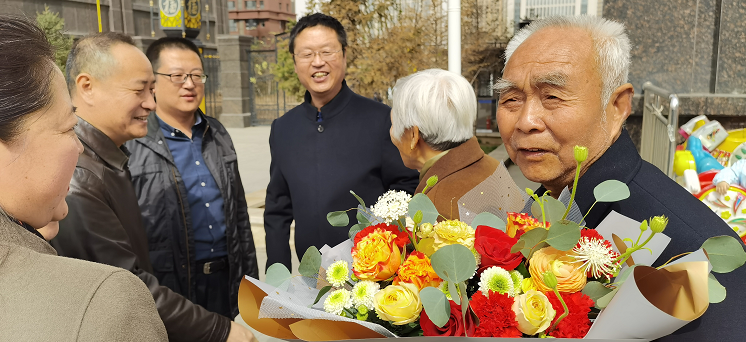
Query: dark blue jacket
315, 165
690, 223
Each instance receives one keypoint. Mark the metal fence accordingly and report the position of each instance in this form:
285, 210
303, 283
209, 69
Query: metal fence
213, 97
660, 120
266, 100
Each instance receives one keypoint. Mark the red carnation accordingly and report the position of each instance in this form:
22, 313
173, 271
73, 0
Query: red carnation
401, 237
496, 317
454, 326
494, 245
576, 324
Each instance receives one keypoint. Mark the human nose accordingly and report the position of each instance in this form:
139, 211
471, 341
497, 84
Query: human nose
531, 117
149, 102
316, 59
189, 82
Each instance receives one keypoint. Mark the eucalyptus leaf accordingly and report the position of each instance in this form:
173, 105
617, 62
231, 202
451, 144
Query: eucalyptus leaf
489, 220
322, 292
725, 252
455, 295
361, 218
338, 218
518, 246
595, 290
716, 291
278, 275
422, 203
603, 302
310, 263
358, 199
553, 209
611, 190
563, 235
436, 305
454, 263
356, 228
529, 240
624, 275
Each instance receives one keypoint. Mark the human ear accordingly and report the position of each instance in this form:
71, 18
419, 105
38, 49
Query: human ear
415, 137
84, 85
620, 104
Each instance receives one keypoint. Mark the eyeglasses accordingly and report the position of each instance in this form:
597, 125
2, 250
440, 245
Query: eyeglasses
181, 78
307, 56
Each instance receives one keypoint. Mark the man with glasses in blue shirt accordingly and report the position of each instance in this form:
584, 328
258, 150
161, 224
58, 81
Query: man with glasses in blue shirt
186, 178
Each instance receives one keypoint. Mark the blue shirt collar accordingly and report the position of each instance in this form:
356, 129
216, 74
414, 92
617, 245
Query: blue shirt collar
168, 128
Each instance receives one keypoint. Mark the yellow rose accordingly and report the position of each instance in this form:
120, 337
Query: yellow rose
570, 277
533, 312
398, 304
451, 232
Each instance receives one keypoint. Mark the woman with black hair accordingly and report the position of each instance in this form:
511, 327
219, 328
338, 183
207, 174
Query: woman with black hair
44, 297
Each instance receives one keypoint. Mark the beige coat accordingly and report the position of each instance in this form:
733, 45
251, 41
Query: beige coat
44, 297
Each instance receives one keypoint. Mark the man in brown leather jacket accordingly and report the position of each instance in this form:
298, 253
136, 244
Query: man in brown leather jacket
111, 83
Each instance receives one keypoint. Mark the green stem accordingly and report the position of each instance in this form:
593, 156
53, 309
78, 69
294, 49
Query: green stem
589, 211
403, 228
564, 314
543, 215
633, 249
574, 188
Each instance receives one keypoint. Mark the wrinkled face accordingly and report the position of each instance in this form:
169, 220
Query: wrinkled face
552, 103
125, 95
174, 97
37, 166
322, 78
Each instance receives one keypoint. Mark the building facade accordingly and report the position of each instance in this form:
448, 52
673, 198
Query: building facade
259, 18
520, 12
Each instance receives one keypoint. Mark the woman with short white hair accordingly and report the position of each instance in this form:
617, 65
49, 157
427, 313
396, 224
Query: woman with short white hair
432, 125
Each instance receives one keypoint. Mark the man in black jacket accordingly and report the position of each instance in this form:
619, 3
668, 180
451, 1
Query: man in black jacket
334, 142
185, 175
111, 82
565, 84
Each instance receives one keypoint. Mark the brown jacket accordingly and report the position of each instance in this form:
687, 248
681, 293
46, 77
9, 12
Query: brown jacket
49, 298
104, 225
459, 171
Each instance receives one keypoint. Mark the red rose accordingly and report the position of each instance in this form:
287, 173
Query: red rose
454, 327
494, 246
496, 316
576, 324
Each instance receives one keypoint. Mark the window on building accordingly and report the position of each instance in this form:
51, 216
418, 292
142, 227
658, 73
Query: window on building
261, 4
233, 26
231, 5
249, 5
251, 24
280, 4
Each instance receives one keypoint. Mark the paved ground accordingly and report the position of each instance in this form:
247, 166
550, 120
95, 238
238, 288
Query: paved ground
252, 147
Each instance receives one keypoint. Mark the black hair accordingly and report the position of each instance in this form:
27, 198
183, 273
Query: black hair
155, 49
26, 70
87, 50
317, 19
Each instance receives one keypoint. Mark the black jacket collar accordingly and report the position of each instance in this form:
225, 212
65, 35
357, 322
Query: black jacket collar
329, 110
621, 162
102, 145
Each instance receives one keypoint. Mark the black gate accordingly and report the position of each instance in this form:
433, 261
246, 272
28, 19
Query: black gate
266, 99
213, 98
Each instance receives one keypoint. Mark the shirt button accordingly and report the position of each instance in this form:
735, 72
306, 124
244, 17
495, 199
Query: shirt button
203, 184
211, 250
320, 129
173, 134
207, 205
197, 162
160, 142
210, 226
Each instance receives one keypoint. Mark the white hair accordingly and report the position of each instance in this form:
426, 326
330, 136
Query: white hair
610, 42
442, 104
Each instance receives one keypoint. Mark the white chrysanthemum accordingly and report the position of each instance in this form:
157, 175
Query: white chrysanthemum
496, 279
363, 294
597, 256
517, 278
338, 273
392, 205
337, 301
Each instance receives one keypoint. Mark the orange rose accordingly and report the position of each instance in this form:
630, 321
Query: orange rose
571, 277
417, 270
521, 222
376, 256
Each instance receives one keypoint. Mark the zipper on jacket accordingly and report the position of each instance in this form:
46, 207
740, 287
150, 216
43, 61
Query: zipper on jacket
186, 234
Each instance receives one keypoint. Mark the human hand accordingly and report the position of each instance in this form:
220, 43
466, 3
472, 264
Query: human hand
722, 188
240, 334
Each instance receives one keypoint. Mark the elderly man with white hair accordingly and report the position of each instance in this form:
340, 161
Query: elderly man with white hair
432, 122
565, 84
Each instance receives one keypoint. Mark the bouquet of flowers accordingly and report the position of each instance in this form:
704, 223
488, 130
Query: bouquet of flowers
406, 273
